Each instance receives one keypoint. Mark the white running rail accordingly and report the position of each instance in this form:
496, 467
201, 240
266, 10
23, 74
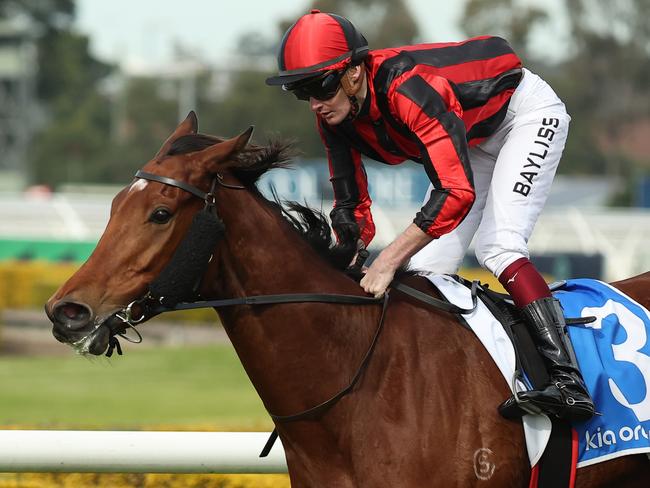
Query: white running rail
66, 451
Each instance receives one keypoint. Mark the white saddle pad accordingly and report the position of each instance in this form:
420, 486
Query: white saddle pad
537, 428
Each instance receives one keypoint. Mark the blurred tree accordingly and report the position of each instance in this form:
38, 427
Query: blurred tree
384, 23
273, 112
607, 78
509, 19
101, 135
61, 51
96, 144
75, 115
254, 44
68, 149
149, 114
612, 45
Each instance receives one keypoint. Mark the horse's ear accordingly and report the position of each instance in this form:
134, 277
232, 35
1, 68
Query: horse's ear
226, 149
189, 126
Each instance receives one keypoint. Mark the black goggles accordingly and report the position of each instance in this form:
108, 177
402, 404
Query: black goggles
322, 87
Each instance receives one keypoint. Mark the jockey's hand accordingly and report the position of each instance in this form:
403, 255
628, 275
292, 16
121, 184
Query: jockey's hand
382, 270
378, 276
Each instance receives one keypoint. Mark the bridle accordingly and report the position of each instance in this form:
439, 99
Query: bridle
150, 305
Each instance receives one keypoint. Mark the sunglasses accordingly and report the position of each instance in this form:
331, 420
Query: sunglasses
323, 87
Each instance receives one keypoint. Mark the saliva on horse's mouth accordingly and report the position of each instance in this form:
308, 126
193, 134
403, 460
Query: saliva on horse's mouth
95, 343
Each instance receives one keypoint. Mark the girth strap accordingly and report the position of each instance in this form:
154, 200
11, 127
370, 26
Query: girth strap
321, 408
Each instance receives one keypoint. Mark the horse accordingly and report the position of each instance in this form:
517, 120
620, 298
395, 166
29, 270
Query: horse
424, 411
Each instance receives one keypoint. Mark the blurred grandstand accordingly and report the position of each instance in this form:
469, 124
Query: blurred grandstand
576, 235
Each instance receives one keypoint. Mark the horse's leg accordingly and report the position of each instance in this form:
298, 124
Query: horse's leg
624, 472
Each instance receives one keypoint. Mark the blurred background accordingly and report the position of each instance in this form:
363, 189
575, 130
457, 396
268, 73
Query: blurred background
89, 90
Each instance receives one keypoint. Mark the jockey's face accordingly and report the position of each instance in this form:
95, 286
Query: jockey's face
333, 111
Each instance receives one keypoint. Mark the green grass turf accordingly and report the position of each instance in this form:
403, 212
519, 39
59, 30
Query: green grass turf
179, 387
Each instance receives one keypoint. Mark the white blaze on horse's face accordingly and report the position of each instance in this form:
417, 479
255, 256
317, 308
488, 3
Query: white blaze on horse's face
138, 185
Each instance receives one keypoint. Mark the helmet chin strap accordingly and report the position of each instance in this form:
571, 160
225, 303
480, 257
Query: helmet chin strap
351, 88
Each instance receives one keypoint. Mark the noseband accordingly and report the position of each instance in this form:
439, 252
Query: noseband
154, 303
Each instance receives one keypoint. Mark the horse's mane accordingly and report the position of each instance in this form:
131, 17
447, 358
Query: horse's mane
249, 165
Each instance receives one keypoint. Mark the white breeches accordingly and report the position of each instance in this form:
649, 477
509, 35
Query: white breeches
513, 171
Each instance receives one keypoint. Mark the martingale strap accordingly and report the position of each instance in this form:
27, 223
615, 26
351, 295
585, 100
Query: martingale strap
321, 408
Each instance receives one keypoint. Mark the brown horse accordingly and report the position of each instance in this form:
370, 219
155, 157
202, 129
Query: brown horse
426, 405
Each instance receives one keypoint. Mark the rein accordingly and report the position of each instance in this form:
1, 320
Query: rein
150, 305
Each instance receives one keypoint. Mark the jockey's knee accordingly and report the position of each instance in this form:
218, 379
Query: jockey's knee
496, 257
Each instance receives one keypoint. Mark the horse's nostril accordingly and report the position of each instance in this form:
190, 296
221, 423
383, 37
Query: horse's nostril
71, 310
72, 314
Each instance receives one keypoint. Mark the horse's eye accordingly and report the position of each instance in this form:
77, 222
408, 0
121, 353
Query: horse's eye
160, 216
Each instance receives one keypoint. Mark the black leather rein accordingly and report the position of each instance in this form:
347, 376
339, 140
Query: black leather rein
151, 305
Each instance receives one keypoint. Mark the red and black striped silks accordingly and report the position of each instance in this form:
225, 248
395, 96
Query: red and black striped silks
428, 103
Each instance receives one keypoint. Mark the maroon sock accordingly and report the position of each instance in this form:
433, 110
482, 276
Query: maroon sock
524, 283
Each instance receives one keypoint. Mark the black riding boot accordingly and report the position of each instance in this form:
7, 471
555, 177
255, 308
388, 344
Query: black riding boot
565, 395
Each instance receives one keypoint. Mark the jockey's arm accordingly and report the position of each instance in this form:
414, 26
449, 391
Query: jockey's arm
429, 108
351, 216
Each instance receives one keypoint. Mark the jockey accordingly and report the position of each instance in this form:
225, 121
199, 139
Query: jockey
489, 135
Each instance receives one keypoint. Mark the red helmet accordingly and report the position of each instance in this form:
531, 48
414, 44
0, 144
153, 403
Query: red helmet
318, 42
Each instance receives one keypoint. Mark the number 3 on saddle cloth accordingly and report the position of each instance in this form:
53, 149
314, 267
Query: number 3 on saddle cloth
614, 356
613, 353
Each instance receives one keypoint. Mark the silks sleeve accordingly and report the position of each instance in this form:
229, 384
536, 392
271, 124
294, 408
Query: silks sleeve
427, 106
351, 217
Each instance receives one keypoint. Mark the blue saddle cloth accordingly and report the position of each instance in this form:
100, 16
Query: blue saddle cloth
614, 356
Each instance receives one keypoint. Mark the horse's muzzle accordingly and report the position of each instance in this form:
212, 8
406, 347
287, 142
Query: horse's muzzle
74, 322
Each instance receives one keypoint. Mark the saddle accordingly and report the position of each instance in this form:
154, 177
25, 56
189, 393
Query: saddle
530, 368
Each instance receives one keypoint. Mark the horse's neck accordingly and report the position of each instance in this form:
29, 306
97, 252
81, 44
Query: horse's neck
265, 255
285, 349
